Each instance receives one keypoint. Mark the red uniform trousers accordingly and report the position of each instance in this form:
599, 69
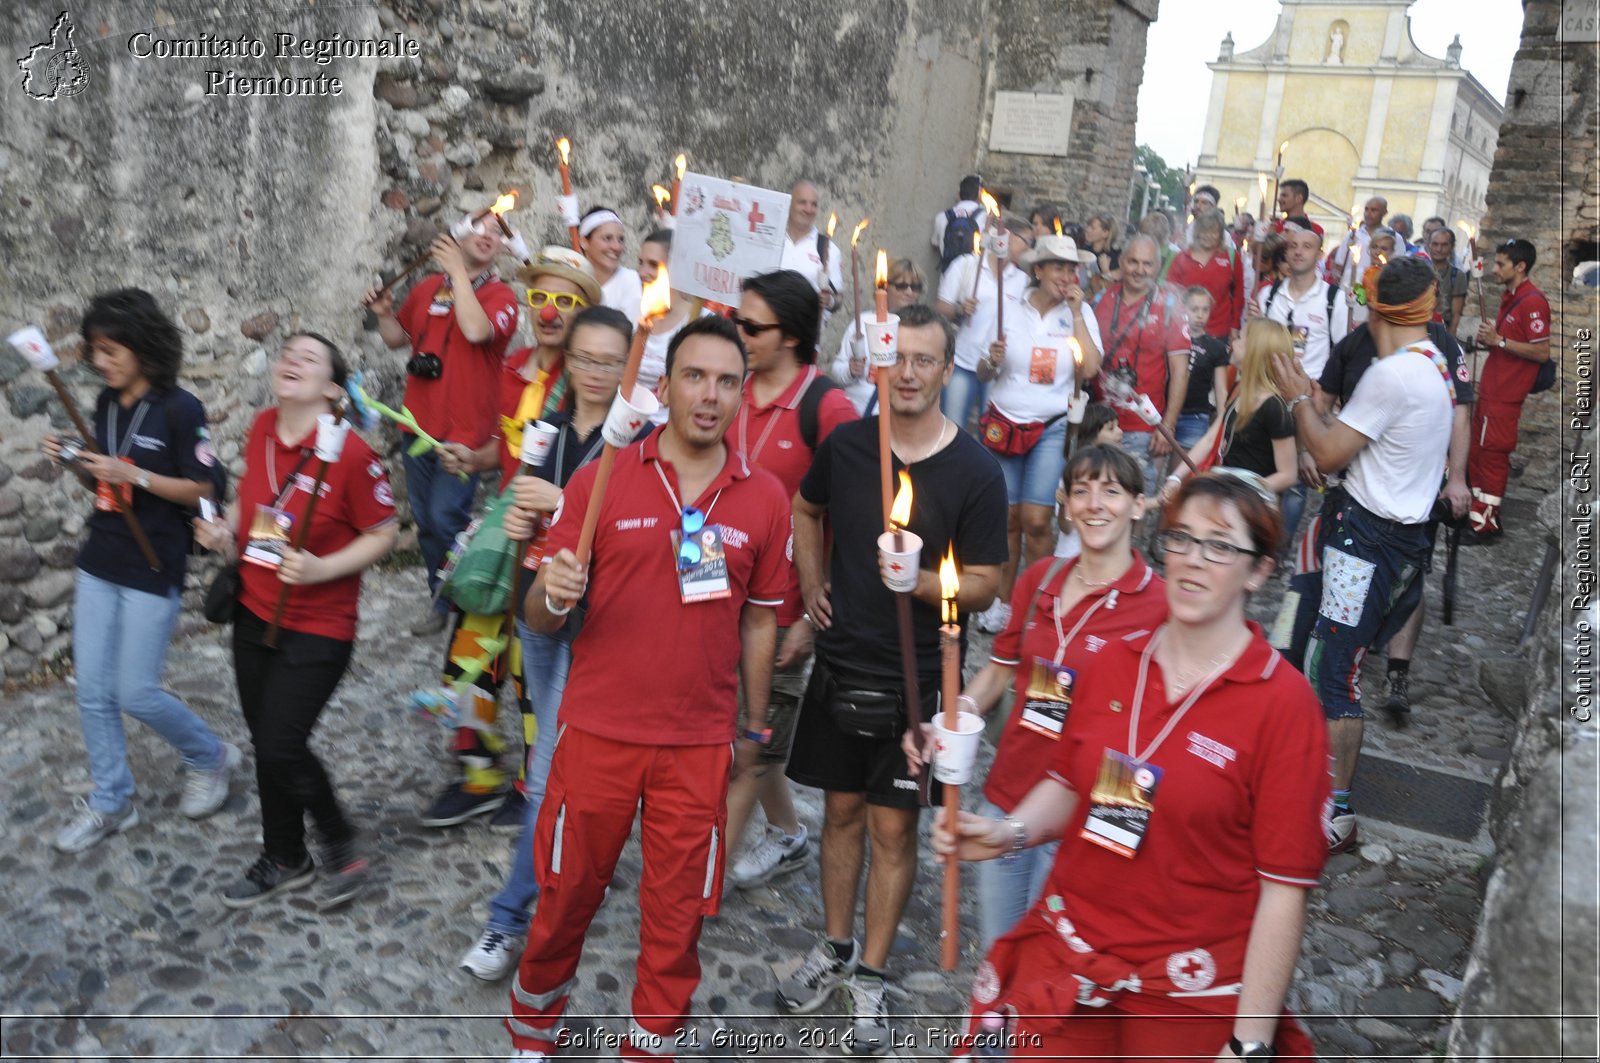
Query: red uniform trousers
595, 787
1494, 437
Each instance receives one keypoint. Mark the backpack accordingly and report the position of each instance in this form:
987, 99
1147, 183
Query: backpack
809, 402
959, 229
1546, 377
1333, 295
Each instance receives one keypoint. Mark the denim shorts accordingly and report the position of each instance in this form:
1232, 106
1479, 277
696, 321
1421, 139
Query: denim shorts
1033, 477
1371, 582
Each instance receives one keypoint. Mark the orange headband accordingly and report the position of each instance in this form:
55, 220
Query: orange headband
1418, 311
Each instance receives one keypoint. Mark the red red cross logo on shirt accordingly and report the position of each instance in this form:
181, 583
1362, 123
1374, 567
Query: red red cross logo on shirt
755, 216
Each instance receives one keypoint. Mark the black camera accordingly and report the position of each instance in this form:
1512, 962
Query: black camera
72, 450
425, 366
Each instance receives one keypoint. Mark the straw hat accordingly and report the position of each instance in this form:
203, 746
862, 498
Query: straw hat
1054, 249
554, 260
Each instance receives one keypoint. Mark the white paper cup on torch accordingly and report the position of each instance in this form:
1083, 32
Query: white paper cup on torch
628, 415
956, 752
465, 227
331, 433
1147, 410
31, 344
883, 341
538, 437
567, 207
1076, 407
901, 554
998, 242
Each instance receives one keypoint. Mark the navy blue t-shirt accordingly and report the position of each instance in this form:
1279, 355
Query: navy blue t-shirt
165, 434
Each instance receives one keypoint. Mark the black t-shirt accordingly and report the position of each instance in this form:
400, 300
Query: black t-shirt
1352, 355
958, 496
1207, 354
165, 434
1250, 447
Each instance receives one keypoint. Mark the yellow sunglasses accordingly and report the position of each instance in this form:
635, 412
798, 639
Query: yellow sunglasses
565, 301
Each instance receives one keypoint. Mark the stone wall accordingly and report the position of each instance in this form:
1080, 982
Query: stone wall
1095, 50
250, 217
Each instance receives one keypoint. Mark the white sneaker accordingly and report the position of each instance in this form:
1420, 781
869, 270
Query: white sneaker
995, 618
775, 854
493, 956
870, 1031
205, 791
90, 827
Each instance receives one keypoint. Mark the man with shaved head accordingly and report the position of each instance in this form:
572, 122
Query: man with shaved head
804, 247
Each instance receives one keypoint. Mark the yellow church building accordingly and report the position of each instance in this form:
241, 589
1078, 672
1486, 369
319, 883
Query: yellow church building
1355, 109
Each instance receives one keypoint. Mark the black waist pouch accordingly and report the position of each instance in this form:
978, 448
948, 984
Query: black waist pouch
861, 711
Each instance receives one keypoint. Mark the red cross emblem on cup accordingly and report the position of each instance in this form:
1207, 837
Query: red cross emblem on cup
886, 338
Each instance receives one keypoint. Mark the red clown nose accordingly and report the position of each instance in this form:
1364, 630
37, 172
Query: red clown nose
548, 315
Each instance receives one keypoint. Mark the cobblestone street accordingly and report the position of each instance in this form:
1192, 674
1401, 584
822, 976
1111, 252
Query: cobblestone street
125, 950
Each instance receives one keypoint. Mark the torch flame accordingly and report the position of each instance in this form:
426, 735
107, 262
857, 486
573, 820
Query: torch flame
949, 585
880, 276
855, 236
657, 298
1077, 351
1467, 228
1283, 147
663, 197
680, 164
1383, 259
833, 222
900, 512
1057, 222
1238, 204
504, 203
564, 146
977, 244
990, 205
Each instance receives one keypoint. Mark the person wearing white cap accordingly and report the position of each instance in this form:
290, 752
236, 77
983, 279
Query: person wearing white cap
604, 238
1034, 373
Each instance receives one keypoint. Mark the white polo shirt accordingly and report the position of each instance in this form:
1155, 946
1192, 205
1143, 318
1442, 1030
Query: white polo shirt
1035, 382
801, 256
973, 337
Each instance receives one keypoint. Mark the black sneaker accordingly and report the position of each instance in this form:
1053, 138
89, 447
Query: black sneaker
266, 877
344, 875
1397, 702
508, 817
456, 805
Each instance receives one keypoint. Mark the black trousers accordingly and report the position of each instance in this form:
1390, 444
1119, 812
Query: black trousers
283, 692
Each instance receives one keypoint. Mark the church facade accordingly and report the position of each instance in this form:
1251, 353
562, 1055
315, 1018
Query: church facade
1346, 100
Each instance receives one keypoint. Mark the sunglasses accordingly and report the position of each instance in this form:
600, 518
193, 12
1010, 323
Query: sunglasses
565, 301
689, 552
905, 286
752, 328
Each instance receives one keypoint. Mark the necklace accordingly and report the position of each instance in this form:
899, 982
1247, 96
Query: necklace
1077, 570
1185, 678
944, 423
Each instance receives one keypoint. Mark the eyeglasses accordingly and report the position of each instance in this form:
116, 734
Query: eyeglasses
923, 362
752, 328
593, 365
689, 552
565, 301
906, 286
1216, 551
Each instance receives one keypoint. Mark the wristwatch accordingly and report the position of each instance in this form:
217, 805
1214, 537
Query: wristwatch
1250, 1049
1297, 400
1502, 343
762, 737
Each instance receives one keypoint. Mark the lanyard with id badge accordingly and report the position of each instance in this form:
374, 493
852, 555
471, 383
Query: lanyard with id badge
113, 499
1124, 794
698, 550
270, 525
1048, 697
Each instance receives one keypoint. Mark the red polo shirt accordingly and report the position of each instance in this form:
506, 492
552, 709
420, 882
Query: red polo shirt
1223, 276
355, 498
647, 668
1524, 317
460, 406
1140, 335
769, 437
1241, 797
1136, 602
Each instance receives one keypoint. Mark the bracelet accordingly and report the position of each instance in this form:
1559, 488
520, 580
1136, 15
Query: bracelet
1019, 833
1174, 479
807, 618
555, 610
1297, 400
